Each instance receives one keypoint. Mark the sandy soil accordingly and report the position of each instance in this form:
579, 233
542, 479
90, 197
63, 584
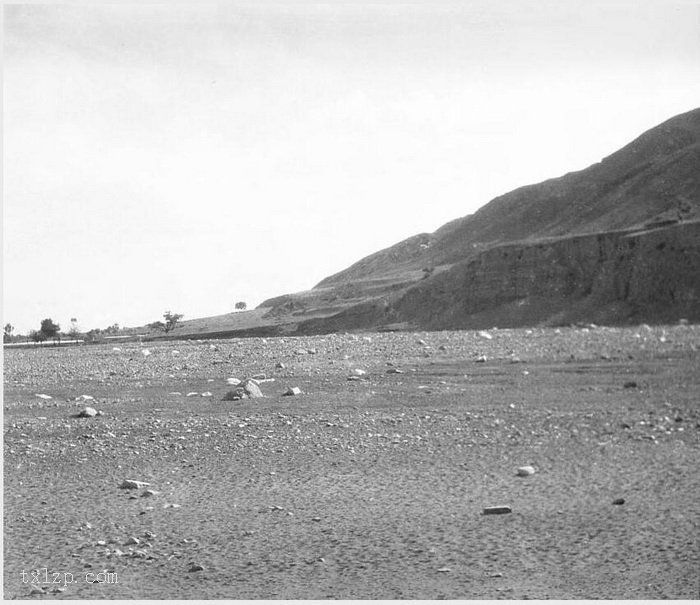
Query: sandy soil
371, 488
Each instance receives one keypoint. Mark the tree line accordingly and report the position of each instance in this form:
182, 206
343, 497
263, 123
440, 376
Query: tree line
49, 329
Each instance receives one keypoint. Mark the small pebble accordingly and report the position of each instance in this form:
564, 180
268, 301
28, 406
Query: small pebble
525, 471
497, 510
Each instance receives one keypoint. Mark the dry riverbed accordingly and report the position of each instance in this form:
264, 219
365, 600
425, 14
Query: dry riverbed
371, 483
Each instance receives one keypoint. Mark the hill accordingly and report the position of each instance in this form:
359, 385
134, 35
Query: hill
617, 242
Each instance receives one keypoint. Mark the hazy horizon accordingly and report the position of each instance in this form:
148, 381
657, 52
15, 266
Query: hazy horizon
185, 157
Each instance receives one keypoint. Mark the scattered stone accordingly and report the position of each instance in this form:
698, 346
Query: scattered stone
290, 392
394, 371
497, 510
481, 359
444, 569
132, 540
358, 372
192, 394
260, 376
485, 335
251, 389
279, 365
196, 567
630, 384
525, 471
206, 394
145, 352
149, 492
234, 382
37, 590
42, 396
116, 349
131, 484
618, 501
85, 398
233, 395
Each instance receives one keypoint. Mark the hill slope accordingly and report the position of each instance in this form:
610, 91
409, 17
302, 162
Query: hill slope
654, 178
616, 242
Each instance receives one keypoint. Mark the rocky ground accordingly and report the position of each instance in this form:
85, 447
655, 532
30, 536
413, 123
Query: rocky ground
369, 484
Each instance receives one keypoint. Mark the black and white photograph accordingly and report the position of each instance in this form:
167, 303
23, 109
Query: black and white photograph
351, 300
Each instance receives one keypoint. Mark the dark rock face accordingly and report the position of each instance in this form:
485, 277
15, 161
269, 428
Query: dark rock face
612, 277
617, 242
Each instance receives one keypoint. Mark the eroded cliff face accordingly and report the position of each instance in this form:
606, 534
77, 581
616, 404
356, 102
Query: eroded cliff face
615, 243
613, 277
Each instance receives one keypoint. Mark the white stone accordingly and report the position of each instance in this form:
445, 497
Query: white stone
525, 471
131, 484
251, 389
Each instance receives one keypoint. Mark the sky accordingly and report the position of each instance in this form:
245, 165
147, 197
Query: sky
184, 157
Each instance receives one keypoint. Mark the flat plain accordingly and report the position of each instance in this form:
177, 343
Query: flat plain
369, 484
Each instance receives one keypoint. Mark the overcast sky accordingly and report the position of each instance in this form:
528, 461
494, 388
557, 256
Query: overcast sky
185, 158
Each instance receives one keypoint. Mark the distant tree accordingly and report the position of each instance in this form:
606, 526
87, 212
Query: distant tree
113, 329
94, 335
7, 336
50, 329
37, 336
241, 306
171, 320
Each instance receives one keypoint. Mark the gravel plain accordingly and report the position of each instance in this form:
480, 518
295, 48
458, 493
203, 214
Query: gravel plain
369, 484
